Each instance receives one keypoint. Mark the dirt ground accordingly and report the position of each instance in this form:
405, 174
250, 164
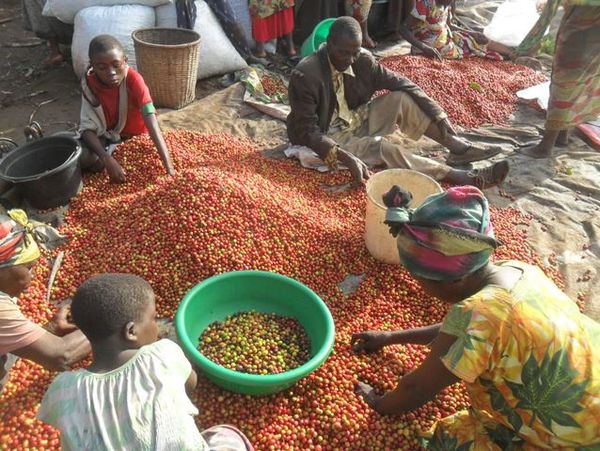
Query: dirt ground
30, 91
25, 85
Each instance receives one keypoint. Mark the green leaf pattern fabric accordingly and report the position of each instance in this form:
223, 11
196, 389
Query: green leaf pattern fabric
531, 365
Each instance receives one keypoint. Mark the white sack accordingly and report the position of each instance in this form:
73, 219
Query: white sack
512, 21
540, 93
66, 10
217, 54
118, 21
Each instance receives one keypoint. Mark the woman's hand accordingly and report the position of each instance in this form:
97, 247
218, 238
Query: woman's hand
2, 368
479, 38
116, 174
367, 393
369, 341
430, 52
61, 324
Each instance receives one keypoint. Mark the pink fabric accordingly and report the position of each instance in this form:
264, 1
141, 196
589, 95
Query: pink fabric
16, 331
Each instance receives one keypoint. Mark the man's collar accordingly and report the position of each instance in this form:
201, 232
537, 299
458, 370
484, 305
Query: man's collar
334, 71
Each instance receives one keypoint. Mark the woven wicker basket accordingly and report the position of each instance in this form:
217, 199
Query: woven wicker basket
167, 58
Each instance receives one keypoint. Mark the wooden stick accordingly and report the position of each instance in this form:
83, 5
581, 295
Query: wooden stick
23, 44
55, 267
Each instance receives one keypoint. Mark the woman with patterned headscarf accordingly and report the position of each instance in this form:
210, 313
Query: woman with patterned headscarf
20, 241
525, 353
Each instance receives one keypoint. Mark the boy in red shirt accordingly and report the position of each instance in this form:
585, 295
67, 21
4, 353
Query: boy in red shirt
116, 105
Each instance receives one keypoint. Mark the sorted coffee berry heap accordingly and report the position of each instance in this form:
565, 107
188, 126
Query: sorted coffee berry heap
272, 86
473, 91
256, 343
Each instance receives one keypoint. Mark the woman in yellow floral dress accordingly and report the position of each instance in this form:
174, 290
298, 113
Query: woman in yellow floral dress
529, 359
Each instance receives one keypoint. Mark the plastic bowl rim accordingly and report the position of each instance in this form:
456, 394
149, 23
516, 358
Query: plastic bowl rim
256, 380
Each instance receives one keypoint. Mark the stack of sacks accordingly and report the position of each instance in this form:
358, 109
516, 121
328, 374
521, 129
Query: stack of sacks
66, 10
120, 18
94, 17
217, 55
119, 21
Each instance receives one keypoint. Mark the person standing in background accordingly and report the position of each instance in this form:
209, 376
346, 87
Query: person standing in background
49, 28
359, 9
272, 19
575, 80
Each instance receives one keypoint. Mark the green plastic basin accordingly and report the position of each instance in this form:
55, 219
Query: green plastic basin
225, 294
317, 37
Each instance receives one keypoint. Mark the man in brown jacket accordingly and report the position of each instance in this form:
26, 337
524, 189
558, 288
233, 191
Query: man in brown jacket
333, 113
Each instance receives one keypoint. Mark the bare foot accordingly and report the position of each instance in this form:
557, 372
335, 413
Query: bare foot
53, 59
253, 59
394, 36
287, 45
259, 50
563, 138
536, 151
368, 43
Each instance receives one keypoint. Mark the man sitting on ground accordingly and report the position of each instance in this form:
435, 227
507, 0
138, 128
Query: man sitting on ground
330, 96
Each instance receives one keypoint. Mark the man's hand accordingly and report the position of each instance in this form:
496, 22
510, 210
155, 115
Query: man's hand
446, 128
366, 392
61, 324
358, 169
430, 52
114, 170
369, 341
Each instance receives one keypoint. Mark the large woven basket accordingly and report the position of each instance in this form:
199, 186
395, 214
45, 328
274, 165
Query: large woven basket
167, 58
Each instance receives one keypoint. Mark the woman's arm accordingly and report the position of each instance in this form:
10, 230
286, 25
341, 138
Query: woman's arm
417, 387
372, 340
159, 142
56, 353
405, 30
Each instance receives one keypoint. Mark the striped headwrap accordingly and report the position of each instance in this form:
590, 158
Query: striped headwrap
448, 237
19, 238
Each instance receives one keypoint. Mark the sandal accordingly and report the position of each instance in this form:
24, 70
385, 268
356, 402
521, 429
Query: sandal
472, 154
491, 176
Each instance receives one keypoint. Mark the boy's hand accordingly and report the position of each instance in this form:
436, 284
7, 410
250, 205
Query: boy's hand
369, 341
114, 170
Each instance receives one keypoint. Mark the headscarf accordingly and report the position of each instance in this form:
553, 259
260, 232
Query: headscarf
448, 237
20, 237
